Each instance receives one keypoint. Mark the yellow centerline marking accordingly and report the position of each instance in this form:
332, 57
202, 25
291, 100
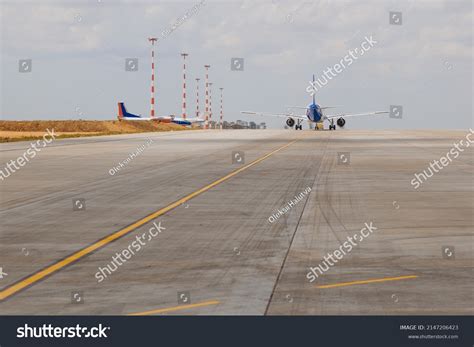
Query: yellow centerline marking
175, 308
377, 280
49, 270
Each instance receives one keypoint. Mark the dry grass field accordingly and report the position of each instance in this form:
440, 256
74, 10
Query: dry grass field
30, 130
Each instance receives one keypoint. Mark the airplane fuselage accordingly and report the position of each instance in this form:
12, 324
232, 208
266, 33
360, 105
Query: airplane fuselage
314, 113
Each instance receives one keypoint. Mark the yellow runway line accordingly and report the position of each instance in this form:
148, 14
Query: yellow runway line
386, 279
175, 308
51, 269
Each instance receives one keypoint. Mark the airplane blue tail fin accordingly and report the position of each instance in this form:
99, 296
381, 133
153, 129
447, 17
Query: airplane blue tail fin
314, 98
122, 112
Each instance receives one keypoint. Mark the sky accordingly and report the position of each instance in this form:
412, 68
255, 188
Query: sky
421, 62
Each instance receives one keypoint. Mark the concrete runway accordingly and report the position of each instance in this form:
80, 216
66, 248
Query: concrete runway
218, 253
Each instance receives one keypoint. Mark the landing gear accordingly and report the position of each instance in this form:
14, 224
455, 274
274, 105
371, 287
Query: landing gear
298, 125
332, 126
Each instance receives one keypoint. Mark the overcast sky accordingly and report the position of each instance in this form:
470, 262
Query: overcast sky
78, 51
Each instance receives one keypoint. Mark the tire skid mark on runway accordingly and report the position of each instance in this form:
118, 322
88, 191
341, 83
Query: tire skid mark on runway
243, 245
47, 271
326, 143
370, 216
324, 203
227, 269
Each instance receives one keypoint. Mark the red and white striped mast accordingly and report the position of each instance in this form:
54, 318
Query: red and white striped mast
152, 99
184, 55
206, 124
210, 103
222, 111
197, 97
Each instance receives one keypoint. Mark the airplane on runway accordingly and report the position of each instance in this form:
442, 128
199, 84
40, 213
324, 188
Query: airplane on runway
314, 113
123, 114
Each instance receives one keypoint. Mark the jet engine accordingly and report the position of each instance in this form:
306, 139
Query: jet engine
290, 122
341, 122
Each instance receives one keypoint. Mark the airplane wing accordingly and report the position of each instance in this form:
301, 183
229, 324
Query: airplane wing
344, 115
305, 108
281, 115
300, 107
326, 107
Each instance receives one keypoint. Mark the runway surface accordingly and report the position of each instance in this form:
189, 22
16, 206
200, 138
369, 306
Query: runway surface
216, 252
